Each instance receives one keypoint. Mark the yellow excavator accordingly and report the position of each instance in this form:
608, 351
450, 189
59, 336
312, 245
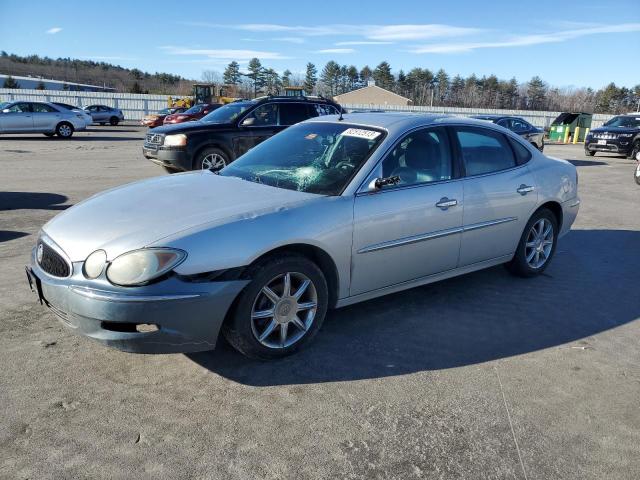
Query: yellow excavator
205, 93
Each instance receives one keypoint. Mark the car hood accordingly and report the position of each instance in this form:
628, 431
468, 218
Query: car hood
614, 130
135, 215
190, 127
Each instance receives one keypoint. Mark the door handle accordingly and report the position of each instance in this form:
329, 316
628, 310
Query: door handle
524, 189
445, 203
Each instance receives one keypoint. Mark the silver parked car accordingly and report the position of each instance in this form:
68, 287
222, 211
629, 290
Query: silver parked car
40, 117
86, 117
330, 212
103, 114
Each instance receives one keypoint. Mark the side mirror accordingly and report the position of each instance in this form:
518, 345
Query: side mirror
378, 183
247, 122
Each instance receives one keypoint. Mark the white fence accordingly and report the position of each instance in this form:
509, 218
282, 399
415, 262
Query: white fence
540, 119
133, 106
136, 106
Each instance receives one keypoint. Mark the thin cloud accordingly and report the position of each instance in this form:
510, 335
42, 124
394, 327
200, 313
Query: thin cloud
336, 50
54, 30
362, 42
297, 40
528, 40
224, 54
418, 32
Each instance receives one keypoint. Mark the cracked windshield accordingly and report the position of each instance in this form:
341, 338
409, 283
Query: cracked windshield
316, 158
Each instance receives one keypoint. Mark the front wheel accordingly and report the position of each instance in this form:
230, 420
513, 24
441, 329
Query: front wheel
537, 245
64, 130
280, 310
113, 121
637, 174
212, 159
635, 150
589, 153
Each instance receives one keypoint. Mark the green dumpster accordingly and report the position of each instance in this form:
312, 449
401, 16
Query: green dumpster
570, 120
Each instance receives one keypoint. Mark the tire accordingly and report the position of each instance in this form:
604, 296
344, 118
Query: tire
262, 336
49, 134
211, 156
113, 121
170, 170
589, 153
637, 174
532, 257
64, 130
634, 150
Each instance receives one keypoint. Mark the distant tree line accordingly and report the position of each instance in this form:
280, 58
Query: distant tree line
92, 73
426, 87
421, 85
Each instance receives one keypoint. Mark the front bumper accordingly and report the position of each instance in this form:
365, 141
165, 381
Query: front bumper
172, 158
614, 146
188, 316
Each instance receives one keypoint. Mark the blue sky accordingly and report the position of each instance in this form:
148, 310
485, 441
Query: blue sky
582, 43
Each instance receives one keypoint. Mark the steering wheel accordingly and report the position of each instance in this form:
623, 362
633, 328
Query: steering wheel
345, 164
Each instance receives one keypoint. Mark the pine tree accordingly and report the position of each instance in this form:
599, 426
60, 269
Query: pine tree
256, 74
232, 75
310, 78
9, 82
443, 86
352, 77
330, 77
365, 75
286, 78
383, 76
536, 93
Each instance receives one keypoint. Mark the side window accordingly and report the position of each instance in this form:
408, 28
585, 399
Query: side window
505, 122
523, 155
265, 115
42, 108
484, 151
92, 108
422, 156
519, 126
20, 108
292, 113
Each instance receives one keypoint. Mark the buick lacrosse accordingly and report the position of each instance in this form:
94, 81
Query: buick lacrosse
330, 212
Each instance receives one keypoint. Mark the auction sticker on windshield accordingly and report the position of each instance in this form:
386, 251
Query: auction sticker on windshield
361, 133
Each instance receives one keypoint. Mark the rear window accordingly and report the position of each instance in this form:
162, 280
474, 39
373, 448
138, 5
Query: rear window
292, 113
484, 151
523, 155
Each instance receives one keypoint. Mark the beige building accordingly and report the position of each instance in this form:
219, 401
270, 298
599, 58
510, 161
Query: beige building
372, 95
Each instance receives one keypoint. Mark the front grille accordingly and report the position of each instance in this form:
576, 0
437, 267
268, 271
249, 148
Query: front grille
154, 139
52, 262
606, 136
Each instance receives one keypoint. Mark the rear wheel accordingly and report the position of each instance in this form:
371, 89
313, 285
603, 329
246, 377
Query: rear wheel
113, 121
211, 159
537, 245
635, 150
280, 310
64, 130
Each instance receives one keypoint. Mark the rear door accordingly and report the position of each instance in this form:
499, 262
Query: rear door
45, 117
19, 118
412, 229
499, 194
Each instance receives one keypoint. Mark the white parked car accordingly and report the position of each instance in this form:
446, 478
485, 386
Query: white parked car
40, 117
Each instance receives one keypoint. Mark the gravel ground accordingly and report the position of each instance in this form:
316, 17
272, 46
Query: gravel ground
482, 376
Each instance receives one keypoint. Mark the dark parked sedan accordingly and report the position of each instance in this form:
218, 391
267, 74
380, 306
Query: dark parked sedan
194, 113
533, 135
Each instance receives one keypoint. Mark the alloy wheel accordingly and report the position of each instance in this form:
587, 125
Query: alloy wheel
539, 243
65, 130
284, 310
213, 162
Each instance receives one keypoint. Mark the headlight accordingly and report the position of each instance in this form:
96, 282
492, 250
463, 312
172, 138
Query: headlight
94, 264
142, 266
175, 140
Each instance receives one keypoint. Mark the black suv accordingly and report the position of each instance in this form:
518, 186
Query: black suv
533, 135
226, 133
620, 135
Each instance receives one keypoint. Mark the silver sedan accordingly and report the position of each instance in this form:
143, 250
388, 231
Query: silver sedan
40, 117
328, 213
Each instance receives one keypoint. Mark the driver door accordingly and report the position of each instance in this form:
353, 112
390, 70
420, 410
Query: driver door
19, 118
412, 229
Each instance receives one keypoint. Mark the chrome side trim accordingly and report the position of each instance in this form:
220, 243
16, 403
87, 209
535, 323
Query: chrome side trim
491, 223
410, 240
430, 236
123, 297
